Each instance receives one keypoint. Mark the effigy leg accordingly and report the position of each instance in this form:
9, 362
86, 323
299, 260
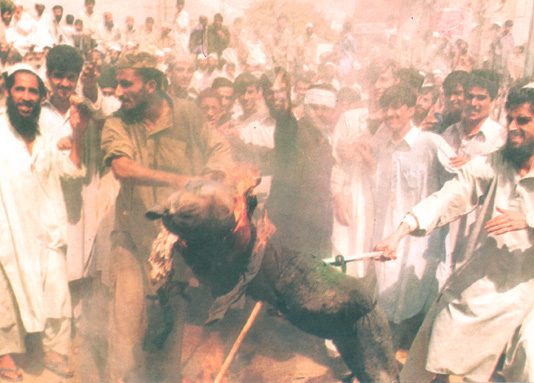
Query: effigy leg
369, 352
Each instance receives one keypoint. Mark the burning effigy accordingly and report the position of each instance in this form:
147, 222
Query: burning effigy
211, 225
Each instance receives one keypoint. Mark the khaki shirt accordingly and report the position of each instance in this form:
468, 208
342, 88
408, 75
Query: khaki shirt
181, 144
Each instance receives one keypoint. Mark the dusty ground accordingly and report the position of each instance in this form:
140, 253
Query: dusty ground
273, 352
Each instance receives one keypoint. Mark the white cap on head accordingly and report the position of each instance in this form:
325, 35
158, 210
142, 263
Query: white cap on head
316, 96
21, 66
115, 47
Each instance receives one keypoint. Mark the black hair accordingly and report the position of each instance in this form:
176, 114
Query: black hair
6, 6
64, 58
207, 93
457, 77
519, 96
485, 79
152, 74
430, 89
410, 77
398, 95
10, 81
222, 82
243, 81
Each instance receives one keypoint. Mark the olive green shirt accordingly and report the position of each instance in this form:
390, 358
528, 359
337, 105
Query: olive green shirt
180, 143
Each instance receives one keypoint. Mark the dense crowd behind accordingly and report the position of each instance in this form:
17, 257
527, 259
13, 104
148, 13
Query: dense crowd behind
357, 144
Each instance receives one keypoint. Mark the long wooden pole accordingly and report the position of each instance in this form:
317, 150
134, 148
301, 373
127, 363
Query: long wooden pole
235, 347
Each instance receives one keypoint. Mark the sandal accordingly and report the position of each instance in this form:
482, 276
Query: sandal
58, 364
11, 374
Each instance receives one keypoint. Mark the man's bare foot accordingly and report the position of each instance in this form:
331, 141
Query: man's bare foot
58, 364
9, 370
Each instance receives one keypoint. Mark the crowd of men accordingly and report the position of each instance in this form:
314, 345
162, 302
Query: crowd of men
428, 165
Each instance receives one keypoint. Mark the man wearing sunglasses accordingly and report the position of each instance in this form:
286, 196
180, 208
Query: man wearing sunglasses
484, 303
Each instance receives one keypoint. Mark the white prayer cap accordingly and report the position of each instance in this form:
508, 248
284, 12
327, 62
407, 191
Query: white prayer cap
115, 47
21, 66
316, 96
309, 25
530, 85
213, 55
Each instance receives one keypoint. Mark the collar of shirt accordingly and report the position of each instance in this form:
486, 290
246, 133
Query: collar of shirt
486, 131
409, 139
47, 104
164, 123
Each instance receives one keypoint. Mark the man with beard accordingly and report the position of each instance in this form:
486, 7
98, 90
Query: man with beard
485, 301
154, 145
312, 225
56, 27
32, 219
108, 33
276, 87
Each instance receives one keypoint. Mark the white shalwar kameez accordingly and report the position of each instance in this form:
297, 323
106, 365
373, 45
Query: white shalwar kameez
406, 172
486, 300
490, 138
88, 200
32, 234
352, 181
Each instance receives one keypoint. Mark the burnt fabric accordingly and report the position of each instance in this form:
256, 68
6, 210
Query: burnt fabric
313, 296
319, 300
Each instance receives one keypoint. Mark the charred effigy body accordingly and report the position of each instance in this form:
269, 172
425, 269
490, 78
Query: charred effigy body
216, 237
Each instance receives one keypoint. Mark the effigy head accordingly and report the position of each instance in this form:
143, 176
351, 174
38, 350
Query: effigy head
209, 223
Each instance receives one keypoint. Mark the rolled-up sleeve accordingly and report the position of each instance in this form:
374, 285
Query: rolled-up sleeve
115, 141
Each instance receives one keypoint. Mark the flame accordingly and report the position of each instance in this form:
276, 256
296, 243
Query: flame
265, 230
245, 178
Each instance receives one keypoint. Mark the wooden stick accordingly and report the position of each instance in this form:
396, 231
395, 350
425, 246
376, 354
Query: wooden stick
235, 347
